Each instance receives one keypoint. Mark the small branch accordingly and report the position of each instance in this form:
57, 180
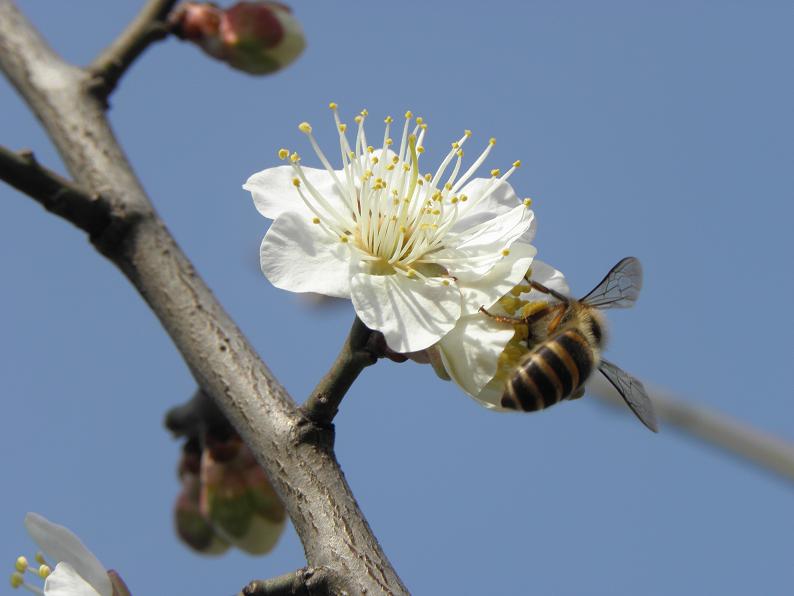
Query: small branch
56, 194
303, 582
146, 28
357, 353
713, 428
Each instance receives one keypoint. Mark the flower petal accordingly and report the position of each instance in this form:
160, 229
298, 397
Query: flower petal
274, 193
505, 275
501, 200
548, 276
470, 352
410, 313
65, 581
474, 252
299, 256
61, 544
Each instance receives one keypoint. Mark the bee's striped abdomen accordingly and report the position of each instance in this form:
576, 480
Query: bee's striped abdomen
550, 373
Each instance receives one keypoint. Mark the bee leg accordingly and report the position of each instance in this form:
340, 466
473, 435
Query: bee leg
500, 318
549, 291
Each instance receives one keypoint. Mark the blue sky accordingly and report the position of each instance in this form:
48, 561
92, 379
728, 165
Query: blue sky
661, 130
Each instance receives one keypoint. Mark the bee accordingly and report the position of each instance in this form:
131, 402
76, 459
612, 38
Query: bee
565, 339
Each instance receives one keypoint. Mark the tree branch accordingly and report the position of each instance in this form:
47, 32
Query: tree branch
149, 26
303, 582
357, 353
305, 474
713, 428
56, 194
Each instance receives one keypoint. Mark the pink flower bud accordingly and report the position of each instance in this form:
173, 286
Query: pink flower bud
257, 37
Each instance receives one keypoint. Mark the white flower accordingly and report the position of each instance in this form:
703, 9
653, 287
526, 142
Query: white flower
77, 573
480, 353
413, 252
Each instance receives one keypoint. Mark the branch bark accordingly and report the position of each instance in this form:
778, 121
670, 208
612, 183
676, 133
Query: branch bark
108, 68
297, 455
715, 429
303, 582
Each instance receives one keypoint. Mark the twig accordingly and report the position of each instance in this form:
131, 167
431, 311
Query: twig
357, 353
56, 194
303, 582
146, 28
713, 428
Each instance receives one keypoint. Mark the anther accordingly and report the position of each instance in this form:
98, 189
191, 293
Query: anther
296, 182
17, 580
332, 105
527, 202
496, 172
283, 153
388, 119
420, 149
294, 158
315, 220
409, 114
517, 163
467, 132
44, 571
342, 127
305, 127
505, 252
492, 141
420, 120
343, 239
21, 564
365, 112
358, 119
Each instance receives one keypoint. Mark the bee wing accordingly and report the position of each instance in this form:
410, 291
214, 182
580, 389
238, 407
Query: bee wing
632, 392
620, 288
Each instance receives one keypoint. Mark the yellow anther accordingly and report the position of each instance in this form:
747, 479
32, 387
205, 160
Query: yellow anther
420, 182
332, 105
496, 172
315, 220
388, 119
283, 153
342, 127
17, 580
445, 282
365, 112
370, 149
395, 159
436, 212
409, 114
420, 120
423, 126
21, 564
456, 145
492, 141
518, 290
464, 198
375, 160
343, 239
294, 158
428, 177
389, 142
358, 119
305, 127
351, 154
505, 252
403, 229
296, 182
517, 163
394, 192
406, 167
390, 167
40, 558
527, 202
411, 274
460, 153
467, 132
453, 200
447, 186
44, 571
420, 149
395, 202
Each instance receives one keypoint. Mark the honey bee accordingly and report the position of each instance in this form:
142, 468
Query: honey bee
565, 339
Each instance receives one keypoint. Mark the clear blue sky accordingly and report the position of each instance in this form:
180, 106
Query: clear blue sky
661, 130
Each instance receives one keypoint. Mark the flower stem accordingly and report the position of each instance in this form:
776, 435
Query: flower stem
358, 352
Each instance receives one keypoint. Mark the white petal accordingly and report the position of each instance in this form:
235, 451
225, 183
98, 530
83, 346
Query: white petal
410, 313
470, 352
491, 396
474, 252
299, 256
274, 193
548, 276
65, 581
60, 544
501, 200
505, 275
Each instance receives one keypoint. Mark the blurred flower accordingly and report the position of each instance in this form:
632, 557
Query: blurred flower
414, 252
256, 37
77, 571
480, 354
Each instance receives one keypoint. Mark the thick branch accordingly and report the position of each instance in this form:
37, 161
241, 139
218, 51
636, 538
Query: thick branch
356, 355
149, 26
56, 194
303, 582
713, 428
296, 454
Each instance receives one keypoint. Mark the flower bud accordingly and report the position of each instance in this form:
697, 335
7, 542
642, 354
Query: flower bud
258, 37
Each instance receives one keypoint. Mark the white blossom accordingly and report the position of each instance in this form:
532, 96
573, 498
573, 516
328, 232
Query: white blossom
414, 252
